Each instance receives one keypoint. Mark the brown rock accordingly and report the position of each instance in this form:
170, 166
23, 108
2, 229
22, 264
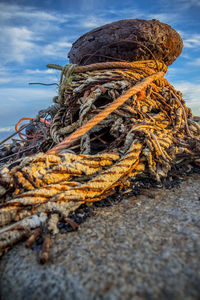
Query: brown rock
129, 40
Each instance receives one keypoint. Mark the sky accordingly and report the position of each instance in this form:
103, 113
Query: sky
36, 33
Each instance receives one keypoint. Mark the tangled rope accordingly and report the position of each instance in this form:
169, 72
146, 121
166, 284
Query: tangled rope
31, 135
116, 121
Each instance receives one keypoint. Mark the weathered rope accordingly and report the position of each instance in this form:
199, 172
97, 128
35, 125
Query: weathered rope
129, 120
102, 115
70, 69
139, 71
109, 65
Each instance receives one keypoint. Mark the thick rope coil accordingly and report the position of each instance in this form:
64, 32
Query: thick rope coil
126, 117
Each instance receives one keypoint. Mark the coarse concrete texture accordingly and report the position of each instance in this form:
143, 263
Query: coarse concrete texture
144, 247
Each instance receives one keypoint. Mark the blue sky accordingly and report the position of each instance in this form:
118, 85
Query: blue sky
35, 33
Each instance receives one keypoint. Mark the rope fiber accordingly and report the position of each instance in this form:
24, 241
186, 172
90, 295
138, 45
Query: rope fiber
112, 122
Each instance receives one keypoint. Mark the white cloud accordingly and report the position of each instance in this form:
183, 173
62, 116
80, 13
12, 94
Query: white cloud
195, 2
17, 43
188, 4
6, 129
191, 40
37, 71
169, 18
37, 33
191, 92
23, 102
191, 95
28, 13
58, 48
195, 62
26, 94
93, 21
182, 70
86, 5
5, 76
172, 73
14, 78
5, 80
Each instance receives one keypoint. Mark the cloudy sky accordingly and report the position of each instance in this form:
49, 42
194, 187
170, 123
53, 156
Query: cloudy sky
35, 33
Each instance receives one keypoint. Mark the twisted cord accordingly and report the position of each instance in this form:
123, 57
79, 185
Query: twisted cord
159, 66
107, 111
45, 184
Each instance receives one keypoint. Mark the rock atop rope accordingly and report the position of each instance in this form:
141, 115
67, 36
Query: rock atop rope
114, 123
129, 40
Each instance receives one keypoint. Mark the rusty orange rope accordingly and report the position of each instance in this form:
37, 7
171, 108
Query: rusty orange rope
102, 115
22, 119
31, 118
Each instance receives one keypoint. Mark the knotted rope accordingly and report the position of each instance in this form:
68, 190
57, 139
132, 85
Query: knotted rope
116, 121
